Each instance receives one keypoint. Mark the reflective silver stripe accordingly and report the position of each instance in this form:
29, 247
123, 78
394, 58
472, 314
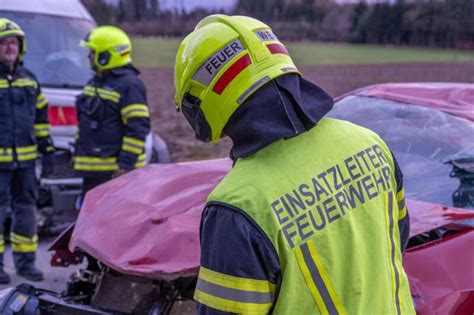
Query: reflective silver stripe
392, 243
26, 152
130, 144
289, 69
233, 294
96, 163
209, 70
252, 88
318, 280
401, 204
128, 113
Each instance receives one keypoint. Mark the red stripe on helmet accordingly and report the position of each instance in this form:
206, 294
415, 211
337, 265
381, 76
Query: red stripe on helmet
277, 49
231, 73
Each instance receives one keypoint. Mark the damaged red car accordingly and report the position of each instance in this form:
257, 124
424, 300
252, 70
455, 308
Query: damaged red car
143, 227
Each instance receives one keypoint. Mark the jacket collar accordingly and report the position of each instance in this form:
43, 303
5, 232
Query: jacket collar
281, 109
18, 69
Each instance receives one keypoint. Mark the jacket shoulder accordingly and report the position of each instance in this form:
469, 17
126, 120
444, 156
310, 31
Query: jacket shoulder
25, 72
129, 81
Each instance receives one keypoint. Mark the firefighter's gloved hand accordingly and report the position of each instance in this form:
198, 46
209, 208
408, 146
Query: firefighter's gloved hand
47, 164
120, 172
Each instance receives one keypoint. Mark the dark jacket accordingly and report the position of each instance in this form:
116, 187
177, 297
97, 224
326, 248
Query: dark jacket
24, 125
113, 122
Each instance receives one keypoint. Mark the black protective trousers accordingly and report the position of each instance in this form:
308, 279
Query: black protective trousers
18, 192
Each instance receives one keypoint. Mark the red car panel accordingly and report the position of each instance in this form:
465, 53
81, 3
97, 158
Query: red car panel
147, 222
453, 98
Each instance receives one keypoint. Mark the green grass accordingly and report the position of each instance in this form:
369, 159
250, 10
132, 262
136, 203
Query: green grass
158, 52
154, 52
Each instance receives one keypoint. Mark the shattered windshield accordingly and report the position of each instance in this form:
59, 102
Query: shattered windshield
52, 48
422, 140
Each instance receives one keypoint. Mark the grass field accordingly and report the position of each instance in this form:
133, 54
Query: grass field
157, 52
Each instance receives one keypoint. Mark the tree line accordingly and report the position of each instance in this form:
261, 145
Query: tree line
432, 23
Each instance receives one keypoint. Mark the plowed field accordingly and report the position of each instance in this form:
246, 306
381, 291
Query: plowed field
336, 80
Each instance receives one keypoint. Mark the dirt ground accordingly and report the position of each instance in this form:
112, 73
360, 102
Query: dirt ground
336, 80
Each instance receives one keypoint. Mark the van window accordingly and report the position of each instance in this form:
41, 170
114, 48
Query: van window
52, 48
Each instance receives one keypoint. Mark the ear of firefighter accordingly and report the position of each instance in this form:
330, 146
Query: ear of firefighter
223, 61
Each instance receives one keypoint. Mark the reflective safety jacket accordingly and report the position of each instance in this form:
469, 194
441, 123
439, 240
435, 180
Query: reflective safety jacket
327, 202
24, 124
113, 123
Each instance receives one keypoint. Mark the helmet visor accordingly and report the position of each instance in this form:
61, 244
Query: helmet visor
195, 116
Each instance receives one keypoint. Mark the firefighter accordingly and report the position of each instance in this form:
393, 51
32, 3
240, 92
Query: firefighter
112, 111
24, 130
306, 220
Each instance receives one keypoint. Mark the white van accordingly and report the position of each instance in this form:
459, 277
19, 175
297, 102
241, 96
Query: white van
53, 31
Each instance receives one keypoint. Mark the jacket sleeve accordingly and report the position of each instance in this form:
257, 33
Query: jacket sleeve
41, 125
136, 119
403, 217
239, 267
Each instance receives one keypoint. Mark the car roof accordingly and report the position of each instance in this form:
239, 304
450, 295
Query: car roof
453, 98
65, 8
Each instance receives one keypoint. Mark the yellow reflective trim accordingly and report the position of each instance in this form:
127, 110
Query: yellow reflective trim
134, 110
95, 159
6, 155
141, 161
86, 163
42, 130
243, 284
89, 93
23, 244
41, 104
324, 275
102, 93
135, 141
24, 248
403, 213
83, 167
26, 153
133, 145
110, 98
41, 126
389, 245
23, 239
140, 164
24, 82
26, 149
111, 93
27, 157
229, 305
107, 97
42, 133
308, 278
400, 195
142, 107
131, 149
